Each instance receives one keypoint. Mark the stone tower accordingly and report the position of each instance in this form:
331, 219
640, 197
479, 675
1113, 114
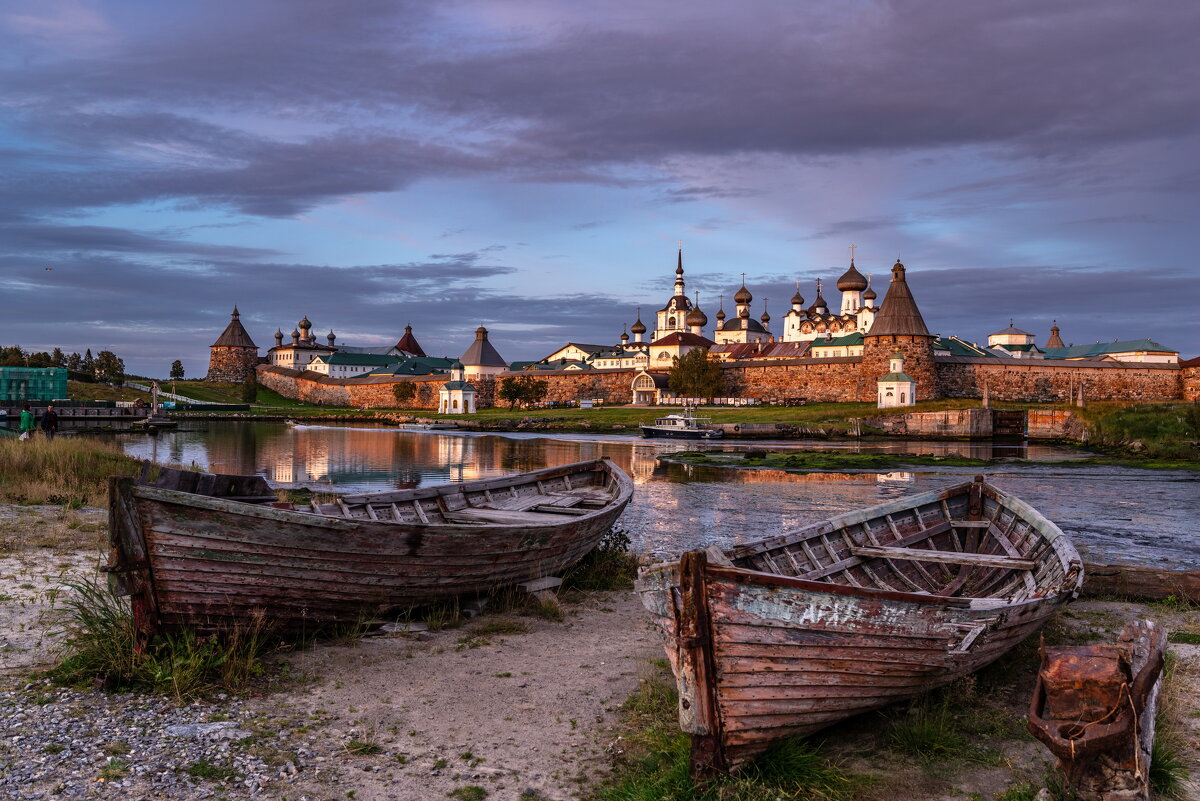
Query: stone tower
234, 355
899, 329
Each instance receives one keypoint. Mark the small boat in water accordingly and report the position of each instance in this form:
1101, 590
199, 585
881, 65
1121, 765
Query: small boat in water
681, 425
211, 551
785, 636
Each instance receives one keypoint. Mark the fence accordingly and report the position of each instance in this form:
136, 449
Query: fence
707, 402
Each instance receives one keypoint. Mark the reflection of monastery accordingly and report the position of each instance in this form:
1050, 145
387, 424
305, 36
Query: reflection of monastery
857, 348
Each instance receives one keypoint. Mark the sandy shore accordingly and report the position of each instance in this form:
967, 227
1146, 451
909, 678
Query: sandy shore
523, 707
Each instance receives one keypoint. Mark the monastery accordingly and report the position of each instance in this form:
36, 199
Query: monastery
857, 350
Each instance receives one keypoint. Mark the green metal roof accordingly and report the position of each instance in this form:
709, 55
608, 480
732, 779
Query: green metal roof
898, 377
1104, 348
458, 385
956, 347
838, 342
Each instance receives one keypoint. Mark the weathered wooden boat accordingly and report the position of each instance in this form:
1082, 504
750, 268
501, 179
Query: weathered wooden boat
209, 551
788, 635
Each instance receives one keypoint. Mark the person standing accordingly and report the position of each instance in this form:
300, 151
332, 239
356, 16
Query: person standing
26, 427
50, 422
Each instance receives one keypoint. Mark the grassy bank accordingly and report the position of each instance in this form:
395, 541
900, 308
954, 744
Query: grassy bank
84, 391
71, 471
1144, 431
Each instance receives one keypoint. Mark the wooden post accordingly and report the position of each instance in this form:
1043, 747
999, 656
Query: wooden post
697, 667
1094, 708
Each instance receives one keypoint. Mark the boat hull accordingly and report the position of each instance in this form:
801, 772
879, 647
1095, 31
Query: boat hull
209, 563
653, 432
760, 656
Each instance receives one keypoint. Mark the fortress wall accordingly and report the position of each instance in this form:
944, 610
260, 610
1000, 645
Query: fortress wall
1037, 381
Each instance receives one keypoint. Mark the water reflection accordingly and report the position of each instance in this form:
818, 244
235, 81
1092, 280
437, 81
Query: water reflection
1113, 513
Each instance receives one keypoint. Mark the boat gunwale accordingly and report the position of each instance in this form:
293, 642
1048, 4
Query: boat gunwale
1060, 546
623, 493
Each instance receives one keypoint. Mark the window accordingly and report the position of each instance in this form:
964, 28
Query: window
454, 403
902, 397
671, 322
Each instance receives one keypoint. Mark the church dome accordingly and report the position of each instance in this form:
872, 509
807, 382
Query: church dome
869, 294
797, 299
696, 318
639, 327
720, 314
743, 296
766, 318
304, 324
852, 280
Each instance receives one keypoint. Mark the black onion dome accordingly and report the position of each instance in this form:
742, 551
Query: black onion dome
743, 296
869, 294
638, 328
852, 280
797, 299
696, 318
766, 318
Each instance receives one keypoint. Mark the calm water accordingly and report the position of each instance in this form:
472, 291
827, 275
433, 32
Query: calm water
1113, 514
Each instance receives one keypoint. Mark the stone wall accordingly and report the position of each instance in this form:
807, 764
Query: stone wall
1041, 382
918, 363
970, 423
231, 365
1056, 424
816, 380
1189, 378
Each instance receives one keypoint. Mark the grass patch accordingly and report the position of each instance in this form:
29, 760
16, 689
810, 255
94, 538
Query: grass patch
1168, 761
1147, 430
210, 771
86, 391
655, 763
608, 566
472, 792
1185, 637
805, 461
501, 627
363, 748
65, 471
100, 643
114, 769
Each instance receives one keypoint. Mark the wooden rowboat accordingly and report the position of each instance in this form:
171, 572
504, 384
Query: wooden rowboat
788, 635
207, 551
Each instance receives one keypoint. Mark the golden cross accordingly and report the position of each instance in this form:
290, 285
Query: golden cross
852, 247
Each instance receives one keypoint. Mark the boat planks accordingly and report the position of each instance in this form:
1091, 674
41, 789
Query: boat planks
212, 563
787, 635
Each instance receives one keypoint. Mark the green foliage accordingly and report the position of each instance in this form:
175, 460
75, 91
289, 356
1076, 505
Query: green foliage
203, 769
404, 392
363, 748
1022, 791
176, 370
523, 389
695, 375
109, 368
472, 792
101, 642
250, 389
1149, 430
1168, 766
608, 566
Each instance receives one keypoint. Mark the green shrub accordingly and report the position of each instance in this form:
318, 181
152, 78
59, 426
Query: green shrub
609, 566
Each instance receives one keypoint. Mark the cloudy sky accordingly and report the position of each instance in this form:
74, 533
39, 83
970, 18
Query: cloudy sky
531, 166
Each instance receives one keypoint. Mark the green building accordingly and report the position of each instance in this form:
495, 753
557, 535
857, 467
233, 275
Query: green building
35, 384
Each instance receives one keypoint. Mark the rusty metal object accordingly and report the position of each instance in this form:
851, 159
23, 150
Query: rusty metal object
1093, 706
788, 635
188, 558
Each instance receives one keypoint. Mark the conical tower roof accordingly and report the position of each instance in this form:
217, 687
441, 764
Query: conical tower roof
899, 315
234, 335
482, 353
408, 343
1055, 341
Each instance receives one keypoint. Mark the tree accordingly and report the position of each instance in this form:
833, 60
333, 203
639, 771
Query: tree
88, 365
74, 362
695, 375
522, 389
58, 358
177, 370
404, 392
250, 389
109, 368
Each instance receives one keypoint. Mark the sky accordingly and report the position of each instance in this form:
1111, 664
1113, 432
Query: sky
533, 166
